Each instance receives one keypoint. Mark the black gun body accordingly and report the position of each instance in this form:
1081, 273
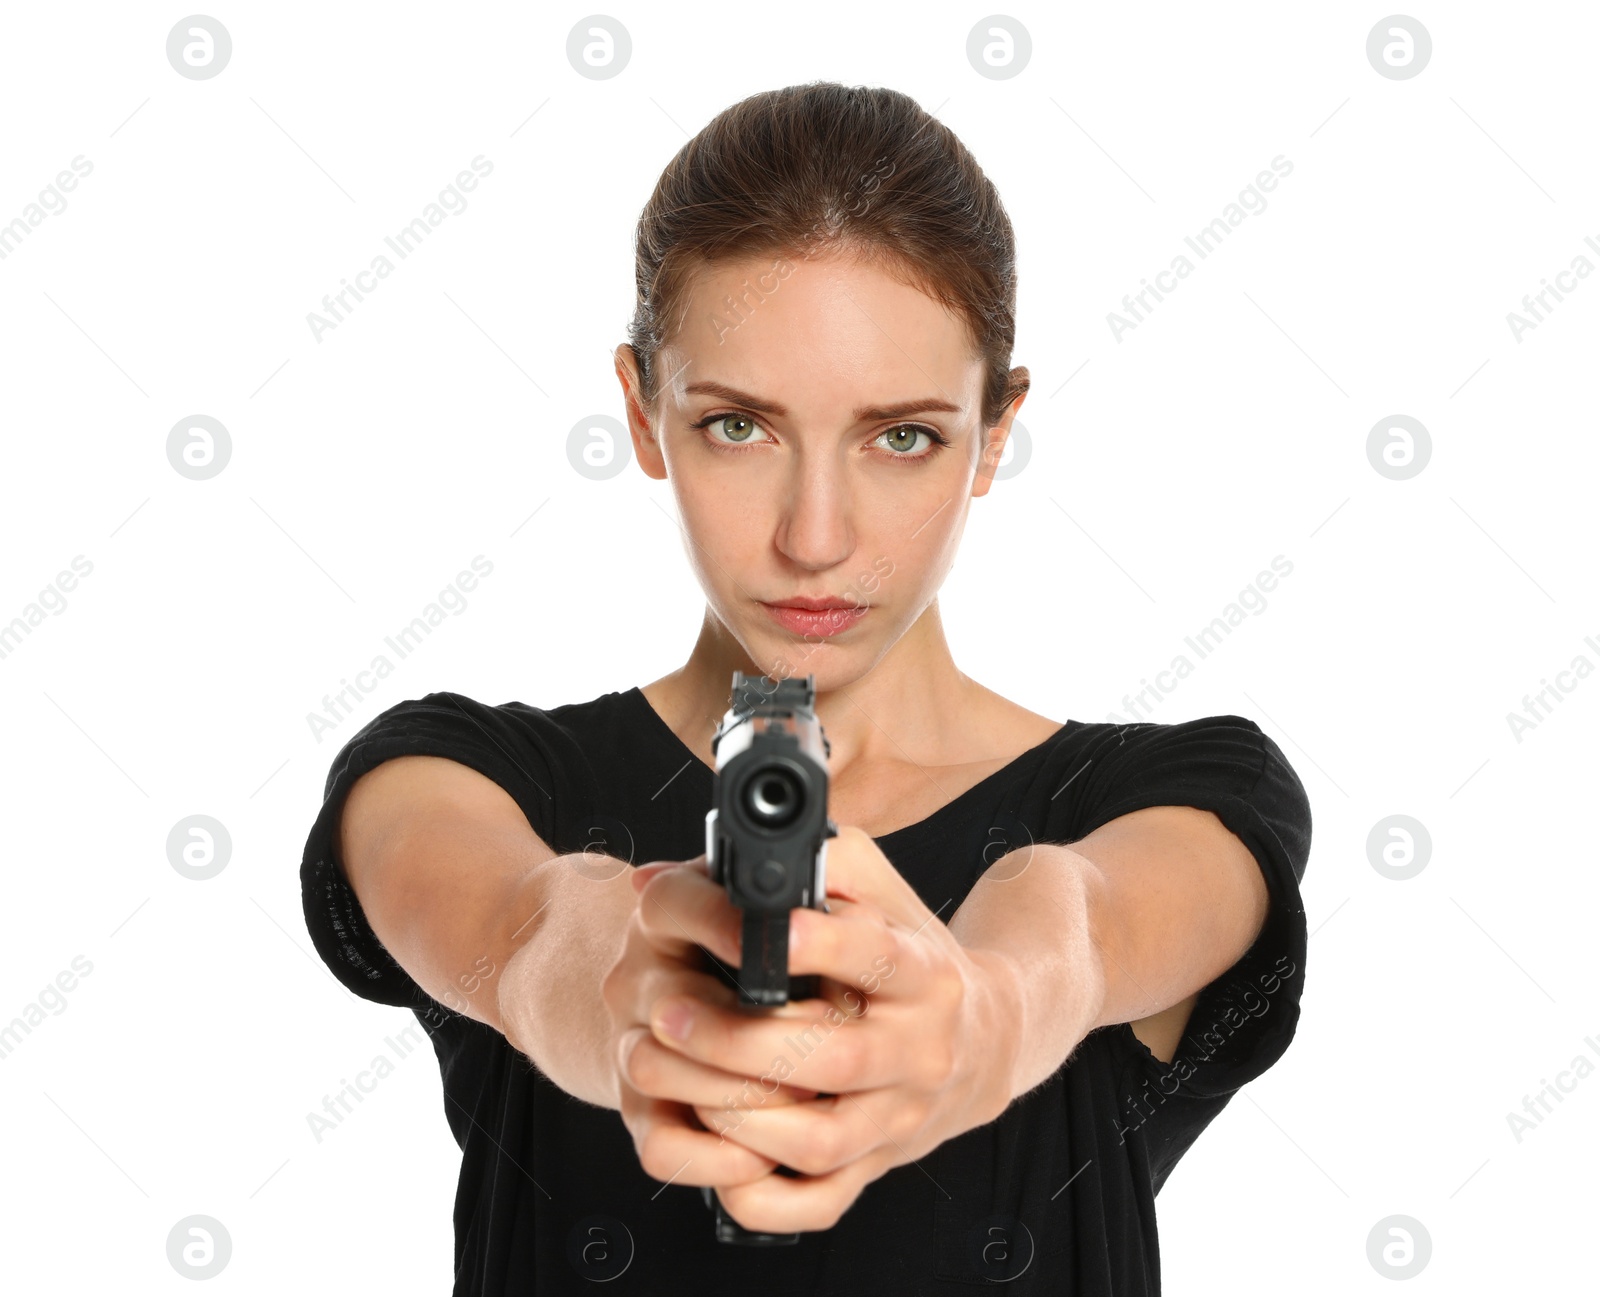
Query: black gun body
766, 842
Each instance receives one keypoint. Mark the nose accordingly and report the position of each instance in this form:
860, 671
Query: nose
815, 527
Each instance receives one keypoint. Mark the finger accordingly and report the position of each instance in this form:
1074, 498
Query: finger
803, 1043
819, 1136
644, 873
673, 1150
682, 908
660, 1073
857, 870
858, 947
781, 1204
667, 983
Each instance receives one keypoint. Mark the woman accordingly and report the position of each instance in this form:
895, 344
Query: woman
1017, 1038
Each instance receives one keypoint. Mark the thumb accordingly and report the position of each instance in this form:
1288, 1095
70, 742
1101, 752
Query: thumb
642, 874
858, 871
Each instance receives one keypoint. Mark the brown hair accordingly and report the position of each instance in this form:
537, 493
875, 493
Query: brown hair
823, 166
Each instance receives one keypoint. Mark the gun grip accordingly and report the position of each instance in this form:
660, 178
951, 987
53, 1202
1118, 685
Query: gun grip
728, 1230
764, 974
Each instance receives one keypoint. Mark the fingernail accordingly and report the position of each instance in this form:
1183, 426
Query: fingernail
675, 1020
629, 1042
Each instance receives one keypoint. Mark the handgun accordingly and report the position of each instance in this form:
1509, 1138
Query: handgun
766, 841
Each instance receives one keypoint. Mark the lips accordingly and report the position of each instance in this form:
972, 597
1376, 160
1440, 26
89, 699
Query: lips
824, 617
813, 604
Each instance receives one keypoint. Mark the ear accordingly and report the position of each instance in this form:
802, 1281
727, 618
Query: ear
994, 443
646, 449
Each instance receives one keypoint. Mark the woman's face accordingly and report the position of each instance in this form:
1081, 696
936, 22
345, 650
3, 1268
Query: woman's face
820, 423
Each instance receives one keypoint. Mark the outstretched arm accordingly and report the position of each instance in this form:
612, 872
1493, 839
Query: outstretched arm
1125, 925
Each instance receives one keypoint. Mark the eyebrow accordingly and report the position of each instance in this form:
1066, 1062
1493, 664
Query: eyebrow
863, 413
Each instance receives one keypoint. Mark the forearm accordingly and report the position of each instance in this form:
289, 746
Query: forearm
551, 1005
1035, 918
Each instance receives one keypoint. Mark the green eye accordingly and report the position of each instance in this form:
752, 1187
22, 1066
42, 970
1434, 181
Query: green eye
731, 430
745, 430
740, 433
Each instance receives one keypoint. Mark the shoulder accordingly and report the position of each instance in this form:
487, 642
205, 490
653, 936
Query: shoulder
543, 757
526, 749
1233, 747
1225, 763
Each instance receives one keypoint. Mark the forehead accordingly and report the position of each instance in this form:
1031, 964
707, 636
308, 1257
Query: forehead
832, 329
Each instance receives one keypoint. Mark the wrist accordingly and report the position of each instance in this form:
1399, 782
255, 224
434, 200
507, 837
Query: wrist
1002, 1019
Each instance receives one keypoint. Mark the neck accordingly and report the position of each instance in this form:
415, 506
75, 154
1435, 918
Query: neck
911, 705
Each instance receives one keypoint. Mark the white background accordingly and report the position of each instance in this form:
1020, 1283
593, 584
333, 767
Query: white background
1166, 470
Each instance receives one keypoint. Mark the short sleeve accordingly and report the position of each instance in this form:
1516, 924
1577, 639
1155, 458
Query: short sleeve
1244, 1020
503, 743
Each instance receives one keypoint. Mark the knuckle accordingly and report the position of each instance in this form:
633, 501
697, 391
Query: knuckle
907, 1120
854, 836
653, 1155
821, 1152
832, 1147
849, 1057
936, 1062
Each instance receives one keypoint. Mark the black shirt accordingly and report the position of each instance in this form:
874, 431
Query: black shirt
1055, 1196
